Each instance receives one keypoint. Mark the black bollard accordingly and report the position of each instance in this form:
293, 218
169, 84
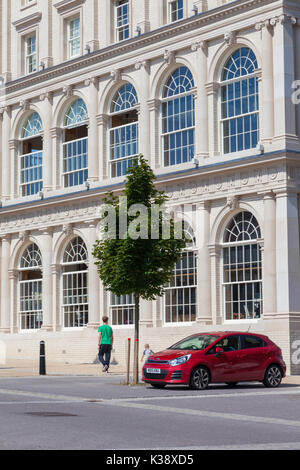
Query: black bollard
42, 358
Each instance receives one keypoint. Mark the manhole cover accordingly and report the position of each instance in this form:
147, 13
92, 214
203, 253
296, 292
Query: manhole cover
49, 414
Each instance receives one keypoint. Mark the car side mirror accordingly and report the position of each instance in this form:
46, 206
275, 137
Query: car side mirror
219, 351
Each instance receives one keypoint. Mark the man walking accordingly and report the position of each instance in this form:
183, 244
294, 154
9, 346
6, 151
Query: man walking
105, 343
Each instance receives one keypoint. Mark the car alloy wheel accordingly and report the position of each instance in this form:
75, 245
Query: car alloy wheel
273, 377
199, 379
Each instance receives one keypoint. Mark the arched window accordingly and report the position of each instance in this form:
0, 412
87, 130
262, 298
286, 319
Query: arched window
75, 144
30, 289
178, 118
31, 156
124, 130
240, 101
181, 293
75, 284
242, 268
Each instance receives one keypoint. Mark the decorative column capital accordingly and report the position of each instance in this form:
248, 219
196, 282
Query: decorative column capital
203, 205
13, 144
91, 81
48, 231
6, 237
55, 132
283, 19
153, 104
55, 269
212, 88
47, 95
214, 250
202, 45
102, 119
144, 64
13, 274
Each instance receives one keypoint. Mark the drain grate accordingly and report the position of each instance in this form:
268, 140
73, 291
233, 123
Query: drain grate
50, 414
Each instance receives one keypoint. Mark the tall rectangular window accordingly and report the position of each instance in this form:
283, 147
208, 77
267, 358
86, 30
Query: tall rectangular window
181, 293
122, 20
73, 38
122, 309
30, 54
175, 10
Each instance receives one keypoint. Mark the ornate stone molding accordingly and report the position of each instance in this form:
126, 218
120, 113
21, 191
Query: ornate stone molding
13, 274
115, 75
25, 105
55, 132
28, 21
68, 229
68, 90
24, 235
203, 45
283, 19
232, 202
212, 18
46, 95
65, 6
91, 80
230, 37
143, 64
169, 56
153, 104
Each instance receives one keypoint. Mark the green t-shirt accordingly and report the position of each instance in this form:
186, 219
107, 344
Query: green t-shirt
106, 334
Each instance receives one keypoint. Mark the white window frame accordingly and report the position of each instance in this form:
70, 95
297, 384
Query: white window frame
252, 281
117, 6
170, 4
31, 55
70, 40
122, 306
169, 288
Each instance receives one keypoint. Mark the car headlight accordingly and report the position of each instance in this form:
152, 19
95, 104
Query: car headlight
179, 360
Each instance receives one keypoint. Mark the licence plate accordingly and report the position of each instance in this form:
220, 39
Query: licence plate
153, 371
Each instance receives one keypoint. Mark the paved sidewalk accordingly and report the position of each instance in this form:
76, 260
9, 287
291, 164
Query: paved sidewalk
21, 368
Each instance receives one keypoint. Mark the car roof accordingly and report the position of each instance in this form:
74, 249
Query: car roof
225, 333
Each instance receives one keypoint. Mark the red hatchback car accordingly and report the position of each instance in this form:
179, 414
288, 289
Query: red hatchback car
205, 358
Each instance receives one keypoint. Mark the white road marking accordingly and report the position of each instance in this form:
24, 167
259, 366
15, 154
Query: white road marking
201, 395
203, 413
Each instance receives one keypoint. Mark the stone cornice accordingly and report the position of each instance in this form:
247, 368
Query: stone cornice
28, 21
206, 184
191, 24
65, 6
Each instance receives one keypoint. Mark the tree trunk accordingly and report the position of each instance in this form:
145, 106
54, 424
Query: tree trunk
136, 339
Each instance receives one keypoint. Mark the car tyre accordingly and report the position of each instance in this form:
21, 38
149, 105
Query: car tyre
200, 378
273, 376
158, 385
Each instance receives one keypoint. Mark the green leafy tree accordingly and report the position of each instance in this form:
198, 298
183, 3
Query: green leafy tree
137, 253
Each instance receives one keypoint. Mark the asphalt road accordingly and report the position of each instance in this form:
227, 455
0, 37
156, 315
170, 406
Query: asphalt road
95, 413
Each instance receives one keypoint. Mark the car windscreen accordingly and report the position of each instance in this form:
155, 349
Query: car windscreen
195, 342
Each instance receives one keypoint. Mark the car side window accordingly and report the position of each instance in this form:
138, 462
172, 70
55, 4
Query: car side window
249, 342
230, 343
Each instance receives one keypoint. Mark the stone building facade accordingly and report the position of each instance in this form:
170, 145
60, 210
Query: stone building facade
207, 91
